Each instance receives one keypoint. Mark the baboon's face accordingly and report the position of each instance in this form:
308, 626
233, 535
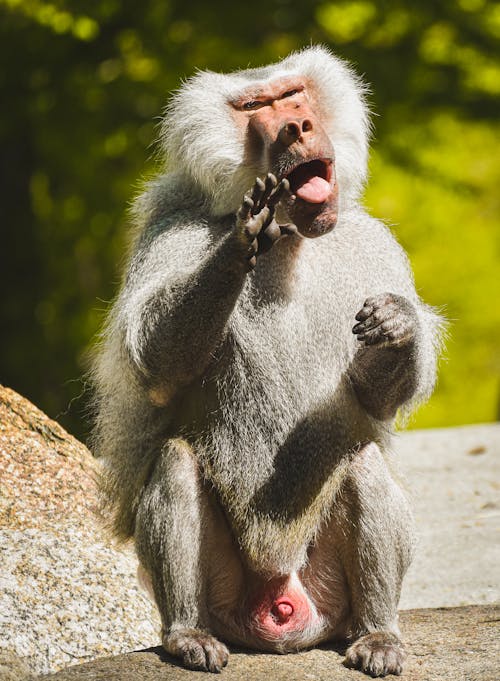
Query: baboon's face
284, 135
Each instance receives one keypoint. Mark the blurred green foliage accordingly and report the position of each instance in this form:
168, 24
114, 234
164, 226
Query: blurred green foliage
82, 85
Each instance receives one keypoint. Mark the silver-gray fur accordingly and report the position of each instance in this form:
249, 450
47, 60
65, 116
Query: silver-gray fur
243, 425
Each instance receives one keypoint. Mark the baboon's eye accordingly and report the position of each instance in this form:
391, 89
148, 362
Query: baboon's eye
252, 104
289, 93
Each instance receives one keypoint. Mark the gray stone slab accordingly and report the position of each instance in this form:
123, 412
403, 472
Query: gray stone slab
453, 476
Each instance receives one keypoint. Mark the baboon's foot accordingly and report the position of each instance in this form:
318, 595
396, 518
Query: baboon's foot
377, 654
197, 649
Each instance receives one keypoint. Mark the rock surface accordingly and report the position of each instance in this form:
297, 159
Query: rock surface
66, 594
13, 667
456, 644
453, 477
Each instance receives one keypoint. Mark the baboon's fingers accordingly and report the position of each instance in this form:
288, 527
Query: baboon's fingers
245, 211
364, 313
377, 317
269, 219
277, 194
257, 192
270, 185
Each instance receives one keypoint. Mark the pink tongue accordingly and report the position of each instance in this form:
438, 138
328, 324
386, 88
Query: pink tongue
315, 190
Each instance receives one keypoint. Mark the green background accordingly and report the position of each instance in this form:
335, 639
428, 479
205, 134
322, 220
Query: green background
82, 86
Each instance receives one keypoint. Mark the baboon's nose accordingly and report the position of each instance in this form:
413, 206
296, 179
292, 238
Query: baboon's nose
293, 130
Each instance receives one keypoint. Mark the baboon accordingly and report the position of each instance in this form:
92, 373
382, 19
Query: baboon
266, 334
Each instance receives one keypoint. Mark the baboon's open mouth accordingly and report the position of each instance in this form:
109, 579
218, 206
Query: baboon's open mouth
311, 181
